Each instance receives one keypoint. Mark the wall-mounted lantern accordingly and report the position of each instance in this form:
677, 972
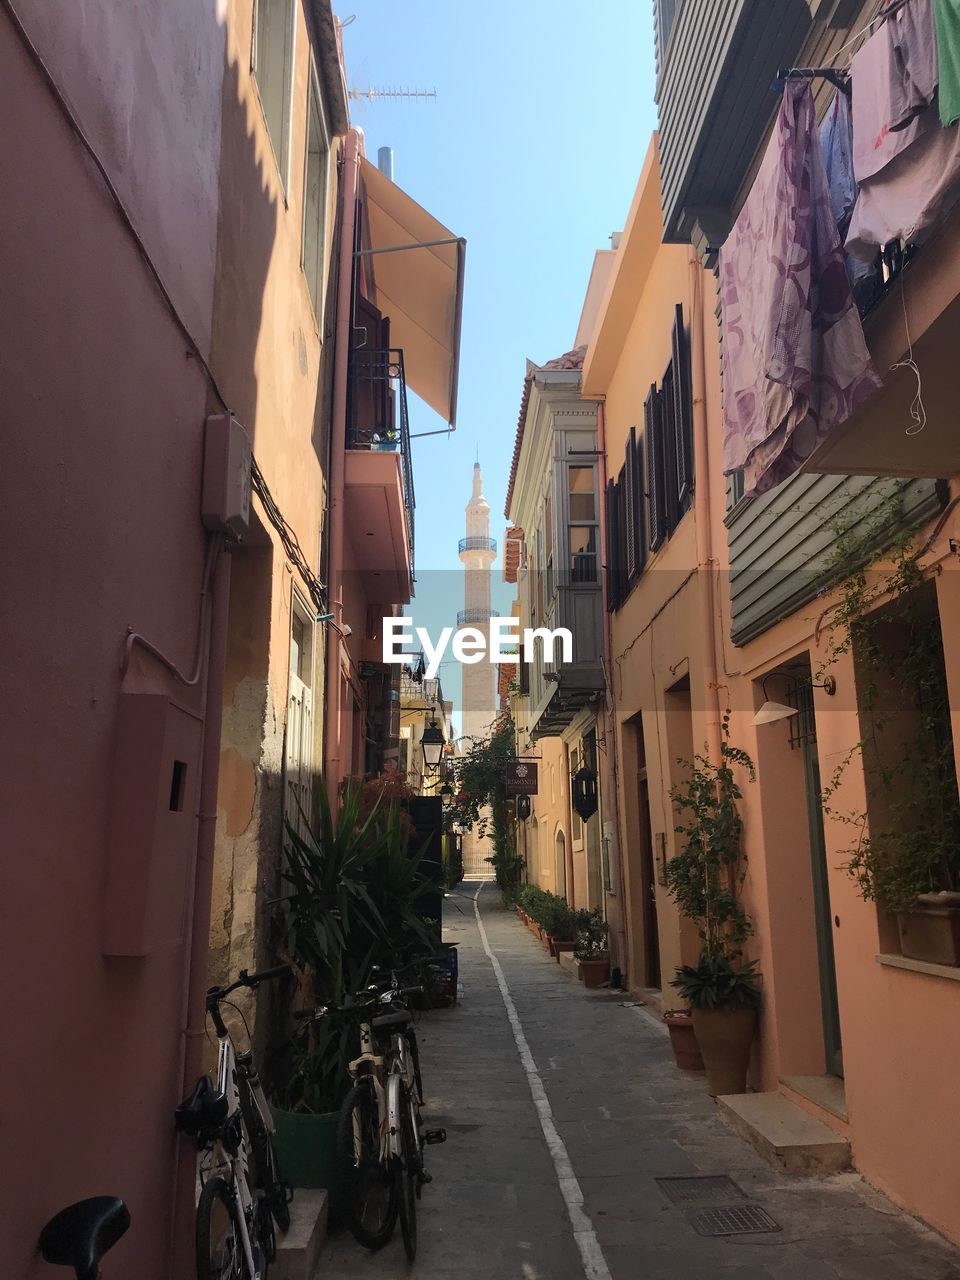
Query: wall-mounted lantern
446, 796
432, 743
583, 793
523, 808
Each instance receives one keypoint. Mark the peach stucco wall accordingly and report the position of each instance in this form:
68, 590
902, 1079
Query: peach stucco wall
102, 422
900, 1029
273, 358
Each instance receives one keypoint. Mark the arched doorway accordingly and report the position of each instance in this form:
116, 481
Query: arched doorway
561, 865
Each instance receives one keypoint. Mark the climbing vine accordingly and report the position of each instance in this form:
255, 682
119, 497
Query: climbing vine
481, 796
884, 617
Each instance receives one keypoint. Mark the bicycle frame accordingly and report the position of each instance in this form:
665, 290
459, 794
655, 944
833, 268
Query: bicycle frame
219, 1159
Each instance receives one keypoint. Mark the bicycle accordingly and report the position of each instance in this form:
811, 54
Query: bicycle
81, 1234
236, 1212
380, 1139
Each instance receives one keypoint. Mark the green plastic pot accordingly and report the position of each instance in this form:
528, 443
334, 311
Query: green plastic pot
307, 1151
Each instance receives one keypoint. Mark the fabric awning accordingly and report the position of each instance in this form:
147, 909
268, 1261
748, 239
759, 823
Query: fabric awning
415, 268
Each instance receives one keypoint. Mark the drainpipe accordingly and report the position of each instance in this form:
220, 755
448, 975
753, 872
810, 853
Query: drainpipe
184, 1213
350, 182
702, 511
611, 755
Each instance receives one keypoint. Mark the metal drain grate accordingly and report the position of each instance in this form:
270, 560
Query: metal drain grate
731, 1220
707, 1189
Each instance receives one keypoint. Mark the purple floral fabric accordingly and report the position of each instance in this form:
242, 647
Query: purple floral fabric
795, 362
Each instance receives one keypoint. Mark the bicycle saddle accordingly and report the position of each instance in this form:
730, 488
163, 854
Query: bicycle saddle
81, 1234
398, 1018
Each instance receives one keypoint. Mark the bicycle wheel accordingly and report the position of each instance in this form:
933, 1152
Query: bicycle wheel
407, 1173
265, 1168
369, 1191
219, 1244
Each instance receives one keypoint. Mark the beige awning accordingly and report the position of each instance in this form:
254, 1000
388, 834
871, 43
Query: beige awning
415, 266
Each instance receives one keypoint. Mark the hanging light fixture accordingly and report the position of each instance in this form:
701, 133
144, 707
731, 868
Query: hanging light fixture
446, 795
523, 808
770, 712
583, 795
432, 746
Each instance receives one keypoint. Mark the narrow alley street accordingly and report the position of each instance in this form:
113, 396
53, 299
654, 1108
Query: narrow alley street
624, 1117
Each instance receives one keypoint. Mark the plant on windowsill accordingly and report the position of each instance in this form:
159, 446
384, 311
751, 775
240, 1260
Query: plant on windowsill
705, 879
908, 859
591, 950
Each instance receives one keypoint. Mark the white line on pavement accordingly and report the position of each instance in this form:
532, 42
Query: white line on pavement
594, 1263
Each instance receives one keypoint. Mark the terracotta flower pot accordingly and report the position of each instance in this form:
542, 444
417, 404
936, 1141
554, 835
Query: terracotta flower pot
595, 970
559, 947
683, 1040
931, 931
725, 1037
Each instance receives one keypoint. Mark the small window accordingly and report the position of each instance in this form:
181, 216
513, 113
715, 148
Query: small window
583, 553
315, 197
272, 62
582, 501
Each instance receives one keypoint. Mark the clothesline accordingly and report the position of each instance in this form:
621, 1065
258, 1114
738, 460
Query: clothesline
838, 75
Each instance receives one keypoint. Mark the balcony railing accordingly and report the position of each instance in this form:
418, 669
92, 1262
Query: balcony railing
377, 416
468, 617
478, 544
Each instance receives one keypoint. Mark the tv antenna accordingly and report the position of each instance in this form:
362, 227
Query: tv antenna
376, 92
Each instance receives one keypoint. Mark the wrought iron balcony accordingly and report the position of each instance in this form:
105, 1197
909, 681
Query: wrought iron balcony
474, 617
377, 416
478, 544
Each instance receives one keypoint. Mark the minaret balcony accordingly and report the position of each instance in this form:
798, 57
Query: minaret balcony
478, 544
475, 617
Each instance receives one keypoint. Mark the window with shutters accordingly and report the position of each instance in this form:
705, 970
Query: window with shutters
583, 530
272, 65
682, 410
316, 168
298, 762
668, 441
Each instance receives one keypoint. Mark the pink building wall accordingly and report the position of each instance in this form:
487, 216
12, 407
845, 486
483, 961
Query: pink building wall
102, 423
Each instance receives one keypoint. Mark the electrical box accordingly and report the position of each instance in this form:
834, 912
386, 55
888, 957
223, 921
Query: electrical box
227, 467
152, 835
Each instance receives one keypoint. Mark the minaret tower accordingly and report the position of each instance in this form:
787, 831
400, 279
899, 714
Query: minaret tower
478, 552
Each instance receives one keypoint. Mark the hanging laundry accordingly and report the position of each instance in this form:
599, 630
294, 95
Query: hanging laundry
913, 55
795, 363
836, 138
907, 176
946, 15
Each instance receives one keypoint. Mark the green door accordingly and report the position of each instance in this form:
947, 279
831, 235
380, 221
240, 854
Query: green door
806, 731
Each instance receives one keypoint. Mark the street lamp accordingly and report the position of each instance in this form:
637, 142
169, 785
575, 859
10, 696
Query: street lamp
446, 795
432, 744
584, 798
523, 808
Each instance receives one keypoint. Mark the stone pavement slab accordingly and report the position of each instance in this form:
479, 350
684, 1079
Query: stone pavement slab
625, 1116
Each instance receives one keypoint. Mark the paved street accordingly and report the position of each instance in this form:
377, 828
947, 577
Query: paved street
618, 1109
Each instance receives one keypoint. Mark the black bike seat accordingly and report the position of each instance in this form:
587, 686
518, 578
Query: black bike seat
81, 1234
399, 1018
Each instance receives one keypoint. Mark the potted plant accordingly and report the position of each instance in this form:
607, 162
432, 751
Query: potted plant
591, 950
354, 890
905, 849
724, 998
563, 927
705, 878
683, 1039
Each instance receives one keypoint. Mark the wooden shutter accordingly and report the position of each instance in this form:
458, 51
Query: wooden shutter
636, 479
682, 410
656, 486
630, 499
613, 549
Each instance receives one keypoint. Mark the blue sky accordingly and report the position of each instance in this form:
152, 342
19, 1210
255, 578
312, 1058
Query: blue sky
531, 151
